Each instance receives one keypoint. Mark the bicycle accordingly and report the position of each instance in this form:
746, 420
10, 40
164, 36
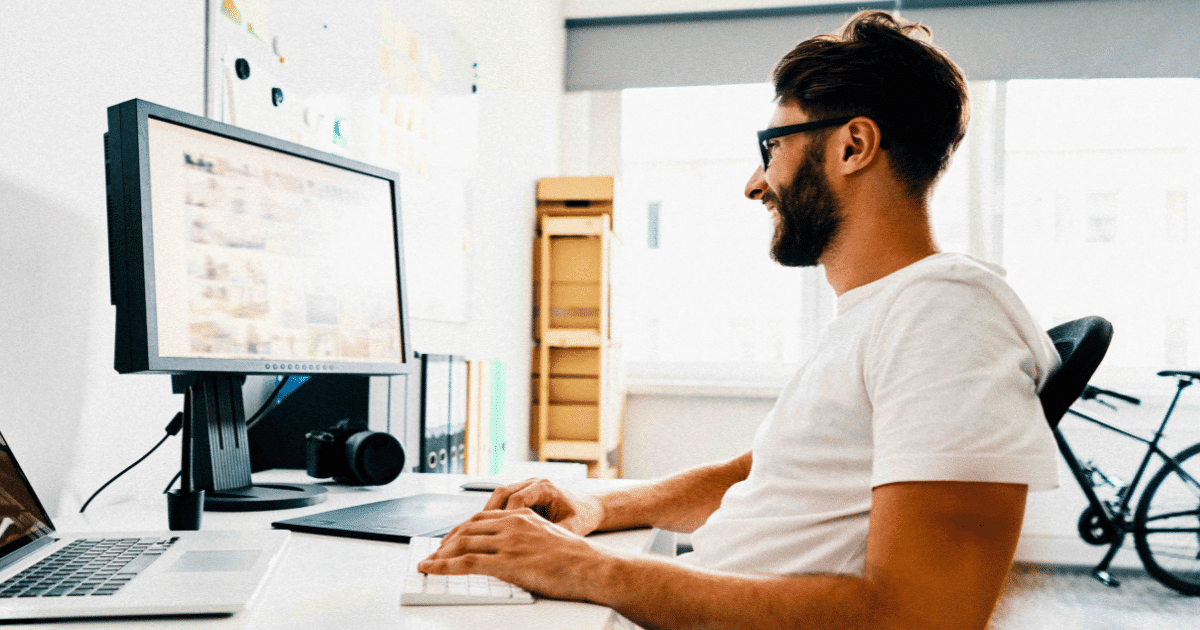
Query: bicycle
1166, 523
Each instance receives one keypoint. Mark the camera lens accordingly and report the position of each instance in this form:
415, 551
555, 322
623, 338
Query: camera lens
375, 458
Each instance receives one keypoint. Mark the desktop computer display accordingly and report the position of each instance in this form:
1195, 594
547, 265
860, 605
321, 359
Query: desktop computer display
235, 253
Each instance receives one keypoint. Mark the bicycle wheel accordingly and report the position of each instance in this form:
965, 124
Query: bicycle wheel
1167, 524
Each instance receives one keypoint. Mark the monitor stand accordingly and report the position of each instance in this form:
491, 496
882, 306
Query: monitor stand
216, 452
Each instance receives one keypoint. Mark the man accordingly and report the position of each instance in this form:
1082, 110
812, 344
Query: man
887, 487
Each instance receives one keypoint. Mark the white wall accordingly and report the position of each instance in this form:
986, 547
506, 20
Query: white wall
68, 416
520, 48
62, 407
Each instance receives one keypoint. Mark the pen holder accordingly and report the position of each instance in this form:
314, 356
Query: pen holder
185, 510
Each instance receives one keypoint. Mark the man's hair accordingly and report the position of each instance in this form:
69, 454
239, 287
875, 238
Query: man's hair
888, 70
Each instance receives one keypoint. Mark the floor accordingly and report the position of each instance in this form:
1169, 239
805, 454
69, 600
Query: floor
1040, 597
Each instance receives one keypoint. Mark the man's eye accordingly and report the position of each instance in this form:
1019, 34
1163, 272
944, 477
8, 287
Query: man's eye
772, 145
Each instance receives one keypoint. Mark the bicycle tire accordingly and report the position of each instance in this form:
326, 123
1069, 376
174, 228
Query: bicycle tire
1172, 558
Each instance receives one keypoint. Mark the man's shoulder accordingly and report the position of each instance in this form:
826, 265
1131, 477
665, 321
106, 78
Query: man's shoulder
945, 280
956, 302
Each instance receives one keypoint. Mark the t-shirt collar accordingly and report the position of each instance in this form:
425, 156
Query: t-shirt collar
858, 295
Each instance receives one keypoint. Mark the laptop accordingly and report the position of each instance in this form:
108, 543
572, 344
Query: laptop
46, 574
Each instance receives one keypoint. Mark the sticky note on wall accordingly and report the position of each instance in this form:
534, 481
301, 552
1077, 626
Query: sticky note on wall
230, 10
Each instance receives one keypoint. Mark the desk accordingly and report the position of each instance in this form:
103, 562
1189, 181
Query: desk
326, 582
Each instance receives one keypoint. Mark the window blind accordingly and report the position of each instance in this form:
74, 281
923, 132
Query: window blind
989, 39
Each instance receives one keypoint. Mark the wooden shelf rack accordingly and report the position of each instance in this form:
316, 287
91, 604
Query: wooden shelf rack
576, 363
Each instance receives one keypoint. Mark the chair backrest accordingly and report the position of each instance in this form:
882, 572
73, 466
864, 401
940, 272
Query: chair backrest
1081, 344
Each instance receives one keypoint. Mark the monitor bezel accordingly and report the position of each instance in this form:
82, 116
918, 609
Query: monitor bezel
131, 248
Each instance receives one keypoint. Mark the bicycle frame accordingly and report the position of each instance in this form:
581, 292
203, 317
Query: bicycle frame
1117, 517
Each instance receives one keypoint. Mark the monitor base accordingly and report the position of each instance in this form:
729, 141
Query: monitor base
264, 496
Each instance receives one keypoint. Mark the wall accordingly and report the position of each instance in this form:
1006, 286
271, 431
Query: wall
71, 419
62, 407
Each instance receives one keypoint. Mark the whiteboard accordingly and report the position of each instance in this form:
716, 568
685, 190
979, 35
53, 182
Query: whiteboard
384, 82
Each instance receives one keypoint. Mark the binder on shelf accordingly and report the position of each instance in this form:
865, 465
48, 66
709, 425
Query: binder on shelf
498, 403
435, 413
463, 407
458, 414
477, 428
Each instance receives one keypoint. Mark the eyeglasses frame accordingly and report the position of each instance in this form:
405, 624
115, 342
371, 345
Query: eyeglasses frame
787, 130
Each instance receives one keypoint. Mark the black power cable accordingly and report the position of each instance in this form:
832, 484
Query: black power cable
251, 421
173, 428
267, 404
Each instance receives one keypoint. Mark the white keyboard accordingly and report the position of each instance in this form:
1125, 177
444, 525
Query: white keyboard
422, 589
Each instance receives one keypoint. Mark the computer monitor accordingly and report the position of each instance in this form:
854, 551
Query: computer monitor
235, 253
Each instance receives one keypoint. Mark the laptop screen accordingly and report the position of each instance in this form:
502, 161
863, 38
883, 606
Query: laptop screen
22, 517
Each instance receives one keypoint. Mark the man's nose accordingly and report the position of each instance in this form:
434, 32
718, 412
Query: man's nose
757, 184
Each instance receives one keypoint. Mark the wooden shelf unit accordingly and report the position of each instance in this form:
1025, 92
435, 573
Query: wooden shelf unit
576, 363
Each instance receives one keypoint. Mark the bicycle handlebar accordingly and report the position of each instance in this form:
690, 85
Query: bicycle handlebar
1090, 392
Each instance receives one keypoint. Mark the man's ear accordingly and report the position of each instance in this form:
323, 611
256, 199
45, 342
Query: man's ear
859, 145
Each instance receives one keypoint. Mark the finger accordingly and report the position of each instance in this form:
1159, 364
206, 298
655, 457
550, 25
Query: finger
484, 543
480, 523
536, 494
500, 495
459, 565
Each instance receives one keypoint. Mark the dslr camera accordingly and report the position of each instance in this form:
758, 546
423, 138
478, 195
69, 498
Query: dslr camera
353, 455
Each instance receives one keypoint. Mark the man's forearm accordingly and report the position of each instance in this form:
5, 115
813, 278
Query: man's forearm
657, 593
679, 503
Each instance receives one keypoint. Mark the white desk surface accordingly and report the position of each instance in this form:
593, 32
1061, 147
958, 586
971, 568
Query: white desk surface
327, 582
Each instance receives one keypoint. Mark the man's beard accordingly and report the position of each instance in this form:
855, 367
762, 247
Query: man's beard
809, 213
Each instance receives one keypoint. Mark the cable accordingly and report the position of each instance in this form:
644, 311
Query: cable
269, 402
172, 481
251, 421
173, 428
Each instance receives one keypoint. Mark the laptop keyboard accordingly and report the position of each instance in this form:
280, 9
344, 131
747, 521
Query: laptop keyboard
87, 566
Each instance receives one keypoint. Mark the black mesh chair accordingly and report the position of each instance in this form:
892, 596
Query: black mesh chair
1081, 345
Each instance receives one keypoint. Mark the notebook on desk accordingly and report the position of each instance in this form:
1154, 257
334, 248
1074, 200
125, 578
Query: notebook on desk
47, 574
394, 520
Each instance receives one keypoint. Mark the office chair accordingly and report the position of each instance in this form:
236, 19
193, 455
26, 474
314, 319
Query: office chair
1081, 344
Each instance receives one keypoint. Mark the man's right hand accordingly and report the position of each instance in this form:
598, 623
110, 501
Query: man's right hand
578, 513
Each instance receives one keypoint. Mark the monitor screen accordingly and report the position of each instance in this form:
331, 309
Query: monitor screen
259, 256
22, 517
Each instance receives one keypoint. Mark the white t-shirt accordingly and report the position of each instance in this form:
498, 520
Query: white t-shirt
928, 374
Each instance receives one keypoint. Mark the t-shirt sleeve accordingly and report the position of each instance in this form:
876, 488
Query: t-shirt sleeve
953, 371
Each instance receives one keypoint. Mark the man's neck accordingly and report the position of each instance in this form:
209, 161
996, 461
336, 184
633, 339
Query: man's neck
882, 237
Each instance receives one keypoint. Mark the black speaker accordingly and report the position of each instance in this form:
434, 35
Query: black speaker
277, 439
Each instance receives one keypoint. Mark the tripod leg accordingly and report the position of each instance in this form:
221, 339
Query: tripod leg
1101, 571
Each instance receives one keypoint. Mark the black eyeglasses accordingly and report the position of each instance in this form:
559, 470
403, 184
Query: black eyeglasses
766, 135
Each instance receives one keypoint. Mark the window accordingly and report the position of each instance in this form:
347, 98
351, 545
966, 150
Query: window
1097, 176
1079, 188
701, 299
